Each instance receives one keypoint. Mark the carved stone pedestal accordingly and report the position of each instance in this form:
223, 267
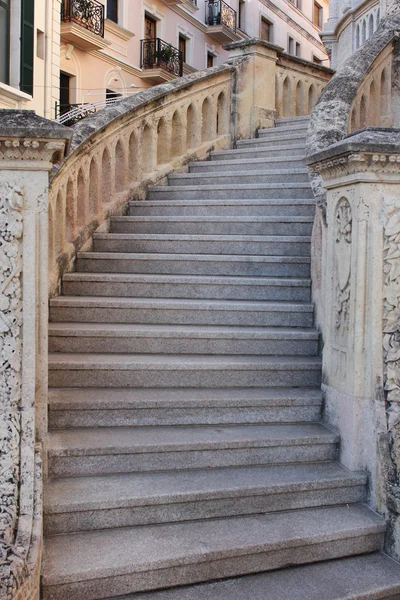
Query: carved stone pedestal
360, 288
29, 147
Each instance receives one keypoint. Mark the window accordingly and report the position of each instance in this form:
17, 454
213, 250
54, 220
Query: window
149, 27
65, 92
296, 3
298, 50
4, 40
318, 18
242, 6
110, 95
291, 45
210, 59
112, 10
266, 30
182, 46
316, 60
27, 37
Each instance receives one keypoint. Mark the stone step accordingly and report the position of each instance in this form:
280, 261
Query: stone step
262, 151
269, 245
187, 286
193, 264
102, 407
127, 560
229, 191
225, 208
240, 177
91, 451
157, 370
366, 577
192, 225
89, 503
265, 140
297, 135
271, 163
85, 309
181, 339
293, 121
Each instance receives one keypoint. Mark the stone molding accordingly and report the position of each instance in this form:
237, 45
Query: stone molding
31, 149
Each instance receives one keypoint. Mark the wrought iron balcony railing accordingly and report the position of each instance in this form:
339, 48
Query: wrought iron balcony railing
220, 13
157, 54
87, 13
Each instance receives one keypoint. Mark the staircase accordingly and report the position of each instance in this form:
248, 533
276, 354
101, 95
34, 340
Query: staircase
185, 444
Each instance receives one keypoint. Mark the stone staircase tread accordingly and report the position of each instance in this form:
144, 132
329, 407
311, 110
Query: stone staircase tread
144, 489
186, 279
223, 202
181, 331
227, 186
218, 219
182, 304
91, 441
239, 173
177, 362
368, 577
298, 142
203, 238
266, 160
259, 150
148, 398
294, 120
194, 257
100, 554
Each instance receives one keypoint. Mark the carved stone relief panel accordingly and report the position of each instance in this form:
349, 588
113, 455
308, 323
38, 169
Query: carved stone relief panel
11, 228
391, 320
343, 234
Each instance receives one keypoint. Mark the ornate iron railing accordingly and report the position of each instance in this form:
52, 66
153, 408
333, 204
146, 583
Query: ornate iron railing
220, 13
87, 13
157, 54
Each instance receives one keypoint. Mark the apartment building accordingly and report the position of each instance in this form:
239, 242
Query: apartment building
55, 54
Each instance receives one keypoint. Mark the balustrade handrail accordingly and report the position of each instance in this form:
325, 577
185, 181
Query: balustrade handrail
87, 13
157, 54
219, 12
329, 121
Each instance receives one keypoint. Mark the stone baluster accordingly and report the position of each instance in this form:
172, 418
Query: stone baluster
361, 282
29, 148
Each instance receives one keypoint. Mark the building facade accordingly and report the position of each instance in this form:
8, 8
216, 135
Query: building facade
58, 53
351, 24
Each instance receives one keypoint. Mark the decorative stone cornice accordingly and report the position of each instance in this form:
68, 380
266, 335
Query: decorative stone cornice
26, 136
31, 149
373, 150
354, 163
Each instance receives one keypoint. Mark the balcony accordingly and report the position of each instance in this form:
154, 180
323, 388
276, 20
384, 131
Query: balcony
82, 24
221, 20
160, 61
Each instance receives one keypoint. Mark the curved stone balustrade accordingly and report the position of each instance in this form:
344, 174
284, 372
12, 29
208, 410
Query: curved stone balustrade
331, 119
133, 145
372, 105
119, 151
299, 84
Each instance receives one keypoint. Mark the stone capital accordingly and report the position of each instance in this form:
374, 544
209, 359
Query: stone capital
27, 138
372, 154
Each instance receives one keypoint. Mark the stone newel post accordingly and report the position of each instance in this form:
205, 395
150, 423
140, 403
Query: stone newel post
29, 147
361, 289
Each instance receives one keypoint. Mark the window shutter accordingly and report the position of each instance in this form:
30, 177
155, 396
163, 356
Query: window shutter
27, 38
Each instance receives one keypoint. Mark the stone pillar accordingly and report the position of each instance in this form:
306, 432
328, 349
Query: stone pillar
361, 329
255, 86
29, 147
